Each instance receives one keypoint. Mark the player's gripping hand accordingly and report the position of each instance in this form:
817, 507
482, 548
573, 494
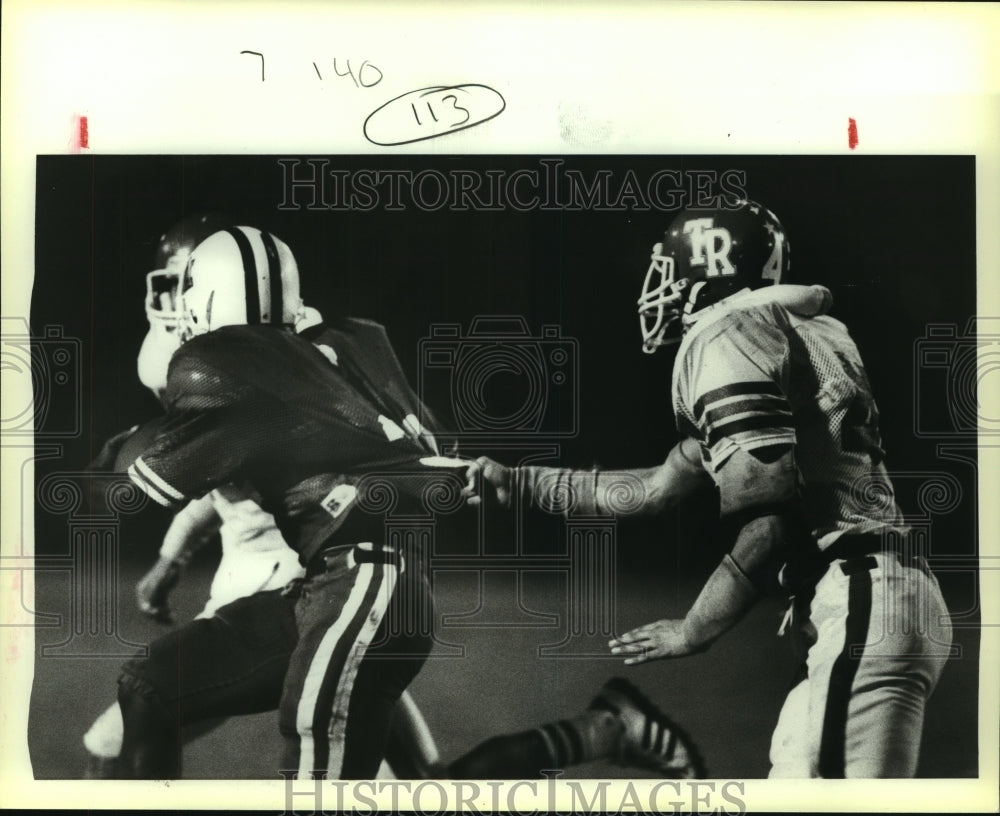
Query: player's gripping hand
489, 480
655, 641
153, 590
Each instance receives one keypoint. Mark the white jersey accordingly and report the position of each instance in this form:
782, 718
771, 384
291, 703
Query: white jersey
255, 556
766, 368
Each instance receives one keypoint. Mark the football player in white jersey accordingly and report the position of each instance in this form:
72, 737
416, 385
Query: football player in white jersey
775, 410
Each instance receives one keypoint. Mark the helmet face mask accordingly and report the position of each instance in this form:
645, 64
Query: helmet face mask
706, 256
173, 251
161, 297
661, 302
163, 293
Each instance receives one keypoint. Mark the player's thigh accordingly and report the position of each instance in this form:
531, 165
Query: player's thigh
231, 663
389, 665
907, 647
364, 634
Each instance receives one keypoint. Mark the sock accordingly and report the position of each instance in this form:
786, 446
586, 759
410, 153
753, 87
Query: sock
591, 735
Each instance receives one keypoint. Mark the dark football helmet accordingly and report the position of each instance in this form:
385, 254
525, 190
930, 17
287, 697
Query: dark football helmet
705, 256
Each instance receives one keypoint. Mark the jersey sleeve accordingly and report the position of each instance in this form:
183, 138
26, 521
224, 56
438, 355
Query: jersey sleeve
735, 390
206, 439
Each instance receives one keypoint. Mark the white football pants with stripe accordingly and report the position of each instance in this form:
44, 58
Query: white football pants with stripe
877, 636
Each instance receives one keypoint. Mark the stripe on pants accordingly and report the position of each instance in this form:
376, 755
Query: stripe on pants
337, 732
832, 760
322, 659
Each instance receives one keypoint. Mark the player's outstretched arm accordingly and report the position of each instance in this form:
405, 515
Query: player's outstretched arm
727, 596
190, 529
759, 500
636, 491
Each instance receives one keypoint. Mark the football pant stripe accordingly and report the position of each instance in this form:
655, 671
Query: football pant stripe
838, 697
318, 666
273, 278
754, 423
249, 274
755, 388
337, 734
159, 483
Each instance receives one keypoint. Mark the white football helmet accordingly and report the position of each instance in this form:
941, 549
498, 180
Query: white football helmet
238, 276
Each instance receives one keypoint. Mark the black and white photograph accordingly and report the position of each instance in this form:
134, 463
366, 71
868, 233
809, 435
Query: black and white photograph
503, 307
633, 477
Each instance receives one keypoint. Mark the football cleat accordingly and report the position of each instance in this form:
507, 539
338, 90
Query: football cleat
649, 739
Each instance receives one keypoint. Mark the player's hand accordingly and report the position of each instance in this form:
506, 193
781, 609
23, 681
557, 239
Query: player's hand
654, 641
153, 590
105, 460
496, 480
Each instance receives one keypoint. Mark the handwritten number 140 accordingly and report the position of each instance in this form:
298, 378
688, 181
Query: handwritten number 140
359, 79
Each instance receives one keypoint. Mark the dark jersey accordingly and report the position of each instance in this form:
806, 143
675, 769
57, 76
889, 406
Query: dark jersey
300, 418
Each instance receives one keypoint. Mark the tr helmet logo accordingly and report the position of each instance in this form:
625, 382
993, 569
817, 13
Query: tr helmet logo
710, 246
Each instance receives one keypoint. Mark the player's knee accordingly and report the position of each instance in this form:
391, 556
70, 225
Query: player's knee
142, 706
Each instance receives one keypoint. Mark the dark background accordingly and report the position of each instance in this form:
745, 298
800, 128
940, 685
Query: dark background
892, 237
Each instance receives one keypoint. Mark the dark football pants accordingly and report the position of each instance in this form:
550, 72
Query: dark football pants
333, 656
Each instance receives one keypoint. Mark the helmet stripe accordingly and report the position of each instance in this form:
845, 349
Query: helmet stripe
274, 276
249, 274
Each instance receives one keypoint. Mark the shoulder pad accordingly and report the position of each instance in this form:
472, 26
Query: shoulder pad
204, 372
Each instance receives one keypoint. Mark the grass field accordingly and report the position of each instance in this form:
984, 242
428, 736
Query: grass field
727, 698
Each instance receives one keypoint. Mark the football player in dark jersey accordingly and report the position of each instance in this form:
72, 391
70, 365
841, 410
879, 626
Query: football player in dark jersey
775, 410
262, 393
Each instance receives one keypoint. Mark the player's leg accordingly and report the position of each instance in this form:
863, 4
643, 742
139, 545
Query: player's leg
622, 725
232, 663
352, 661
882, 641
904, 654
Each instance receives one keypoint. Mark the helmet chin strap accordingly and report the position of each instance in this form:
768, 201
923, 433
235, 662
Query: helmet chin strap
306, 317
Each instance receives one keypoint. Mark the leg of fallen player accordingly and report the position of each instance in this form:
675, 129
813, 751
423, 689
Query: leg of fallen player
621, 725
